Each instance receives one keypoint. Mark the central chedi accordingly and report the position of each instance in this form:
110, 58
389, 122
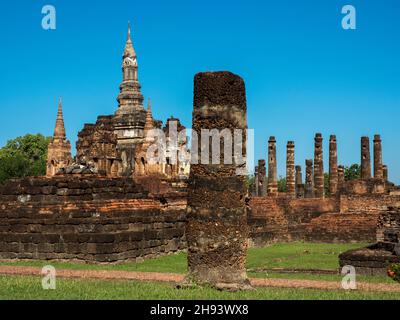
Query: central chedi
116, 145
130, 117
217, 229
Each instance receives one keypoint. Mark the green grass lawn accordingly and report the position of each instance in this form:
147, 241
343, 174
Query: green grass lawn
291, 256
29, 288
296, 255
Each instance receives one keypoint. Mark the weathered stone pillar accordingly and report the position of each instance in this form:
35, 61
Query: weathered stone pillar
385, 173
217, 230
272, 168
318, 167
299, 183
290, 170
262, 171
365, 159
309, 186
333, 166
256, 182
378, 170
341, 179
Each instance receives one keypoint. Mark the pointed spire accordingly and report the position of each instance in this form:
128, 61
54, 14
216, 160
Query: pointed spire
149, 106
129, 50
59, 131
149, 119
129, 32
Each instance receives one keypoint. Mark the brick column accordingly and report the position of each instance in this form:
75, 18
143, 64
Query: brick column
309, 186
272, 168
378, 170
262, 171
333, 166
299, 183
318, 167
341, 179
256, 181
290, 170
365, 159
217, 230
385, 173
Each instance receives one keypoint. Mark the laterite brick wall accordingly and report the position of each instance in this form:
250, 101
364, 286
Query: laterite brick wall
98, 220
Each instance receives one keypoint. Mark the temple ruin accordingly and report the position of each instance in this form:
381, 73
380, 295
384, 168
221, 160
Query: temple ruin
337, 210
116, 145
111, 204
375, 259
59, 149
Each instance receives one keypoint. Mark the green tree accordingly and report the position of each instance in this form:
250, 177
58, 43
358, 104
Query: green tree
24, 156
282, 184
353, 172
251, 179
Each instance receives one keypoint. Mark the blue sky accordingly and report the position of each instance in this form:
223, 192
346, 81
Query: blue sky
304, 73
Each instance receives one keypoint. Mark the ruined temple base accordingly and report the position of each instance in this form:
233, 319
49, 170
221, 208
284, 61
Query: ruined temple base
372, 260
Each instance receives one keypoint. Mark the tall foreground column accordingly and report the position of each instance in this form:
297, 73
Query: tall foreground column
318, 167
309, 186
365, 159
272, 168
378, 169
217, 230
333, 166
290, 170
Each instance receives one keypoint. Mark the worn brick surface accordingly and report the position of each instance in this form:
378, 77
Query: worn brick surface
98, 220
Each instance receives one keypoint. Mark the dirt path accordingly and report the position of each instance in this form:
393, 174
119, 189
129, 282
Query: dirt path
174, 278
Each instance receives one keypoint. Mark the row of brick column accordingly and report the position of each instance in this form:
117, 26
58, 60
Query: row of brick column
314, 173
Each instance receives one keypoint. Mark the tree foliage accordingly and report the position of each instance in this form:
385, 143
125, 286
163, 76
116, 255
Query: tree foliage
281, 184
353, 172
250, 181
24, 156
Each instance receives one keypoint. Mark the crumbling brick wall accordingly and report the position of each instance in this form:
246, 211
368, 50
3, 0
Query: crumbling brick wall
342, 227
284, 219
95, 220
372, 203
350, 218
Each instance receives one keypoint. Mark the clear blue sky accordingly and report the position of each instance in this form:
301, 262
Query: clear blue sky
304, 73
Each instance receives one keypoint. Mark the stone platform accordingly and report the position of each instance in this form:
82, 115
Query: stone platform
372, 260
375, 259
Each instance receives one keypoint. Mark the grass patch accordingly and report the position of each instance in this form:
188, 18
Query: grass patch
288, 255
169, 264
296, 255
319, 277
299, 255
29, 288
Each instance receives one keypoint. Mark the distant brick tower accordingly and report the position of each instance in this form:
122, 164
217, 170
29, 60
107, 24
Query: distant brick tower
318, 167
130, 117
333, 166
272, 168
59, 149
290, 170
